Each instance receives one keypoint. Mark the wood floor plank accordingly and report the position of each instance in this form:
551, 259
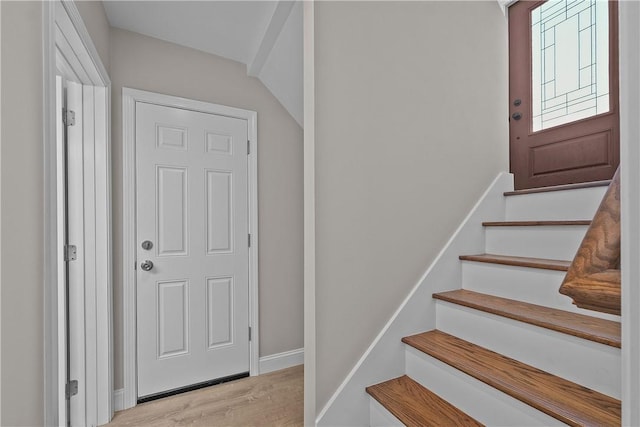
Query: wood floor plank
535, 223
273, 399
417, 406
518, 261
566, 401
579, 325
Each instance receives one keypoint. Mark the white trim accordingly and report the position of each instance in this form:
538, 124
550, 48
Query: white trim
283, 360
278, 19
118, 400
629, 39
504, 5
64, 20
309, 218
51, 393
45, 384
72, 26
129, 99
384, 358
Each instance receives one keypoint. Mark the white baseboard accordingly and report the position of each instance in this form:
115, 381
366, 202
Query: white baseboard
282, 360
118, 400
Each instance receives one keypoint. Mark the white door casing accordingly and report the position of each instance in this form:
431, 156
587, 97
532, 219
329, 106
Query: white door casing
69, 50
130, 98
192, 204
76, 279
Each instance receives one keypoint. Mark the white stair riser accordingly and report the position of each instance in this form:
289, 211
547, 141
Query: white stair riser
478, 400
593, 365
549, 242
555, 205
532, 285
380, 417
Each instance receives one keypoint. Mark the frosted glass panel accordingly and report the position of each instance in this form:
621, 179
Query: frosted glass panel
570, 61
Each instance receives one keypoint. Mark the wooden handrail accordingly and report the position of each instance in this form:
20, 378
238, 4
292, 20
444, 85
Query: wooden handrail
593, 279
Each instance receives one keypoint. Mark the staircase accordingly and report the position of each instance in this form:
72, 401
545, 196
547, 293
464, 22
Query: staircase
508, 348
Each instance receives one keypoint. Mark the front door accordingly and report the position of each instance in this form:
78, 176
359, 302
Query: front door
192, 248
563, 65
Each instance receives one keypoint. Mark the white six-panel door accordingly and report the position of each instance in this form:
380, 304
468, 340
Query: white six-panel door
193, 304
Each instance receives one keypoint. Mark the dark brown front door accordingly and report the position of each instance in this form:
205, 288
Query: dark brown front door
563, 89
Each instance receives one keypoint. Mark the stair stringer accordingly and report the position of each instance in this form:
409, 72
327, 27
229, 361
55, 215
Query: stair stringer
385, 357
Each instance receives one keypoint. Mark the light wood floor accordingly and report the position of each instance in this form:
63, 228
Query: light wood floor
273, 399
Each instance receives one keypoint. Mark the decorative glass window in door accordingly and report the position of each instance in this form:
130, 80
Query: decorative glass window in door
570, 61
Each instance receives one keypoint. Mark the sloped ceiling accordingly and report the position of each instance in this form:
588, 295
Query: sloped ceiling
266, 36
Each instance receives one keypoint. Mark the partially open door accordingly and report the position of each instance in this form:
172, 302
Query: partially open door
563, 85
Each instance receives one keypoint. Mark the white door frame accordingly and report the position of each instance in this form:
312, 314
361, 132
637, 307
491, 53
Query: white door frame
67, 46
129, 99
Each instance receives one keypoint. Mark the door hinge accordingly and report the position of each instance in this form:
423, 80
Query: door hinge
249, 239
248, 147
70, 252
71, 389
68, 117
249, 333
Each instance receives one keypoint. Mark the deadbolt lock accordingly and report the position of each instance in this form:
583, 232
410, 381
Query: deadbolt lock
147, 244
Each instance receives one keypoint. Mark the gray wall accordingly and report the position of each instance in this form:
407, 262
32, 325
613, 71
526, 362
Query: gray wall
142, 62
22, 214
411, 127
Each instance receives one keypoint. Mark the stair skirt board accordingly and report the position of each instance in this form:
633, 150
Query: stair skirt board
598, 368
384, 358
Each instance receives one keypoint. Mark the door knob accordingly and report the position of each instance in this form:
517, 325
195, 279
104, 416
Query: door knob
146, 265
516, 116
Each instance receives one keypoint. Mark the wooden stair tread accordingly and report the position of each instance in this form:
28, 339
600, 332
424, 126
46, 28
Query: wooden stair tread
603, 183
518, 261
534, 223
417, 406
566, 401
579, 325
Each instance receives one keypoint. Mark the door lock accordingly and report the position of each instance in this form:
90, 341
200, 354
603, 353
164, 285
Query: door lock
147, 244
146, 265
516, 116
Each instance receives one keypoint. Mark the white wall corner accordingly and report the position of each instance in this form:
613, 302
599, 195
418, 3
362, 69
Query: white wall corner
309, 197
283, 360
385, 357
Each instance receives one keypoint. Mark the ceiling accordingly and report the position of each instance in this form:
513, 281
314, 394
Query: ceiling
266, 36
